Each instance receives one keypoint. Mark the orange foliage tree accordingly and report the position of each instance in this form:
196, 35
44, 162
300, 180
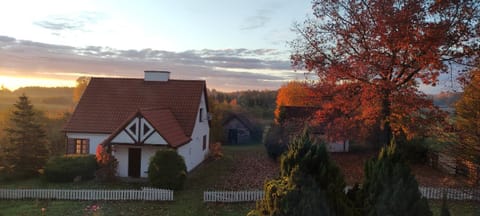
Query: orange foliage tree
371, 56
468, 124
292, 93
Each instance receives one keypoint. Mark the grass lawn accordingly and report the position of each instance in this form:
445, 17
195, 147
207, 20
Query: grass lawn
456, 208
208, 176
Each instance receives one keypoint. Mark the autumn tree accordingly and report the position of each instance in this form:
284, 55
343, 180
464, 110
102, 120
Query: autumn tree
468, 122
292, 93
82, 83
376, 54
26, 151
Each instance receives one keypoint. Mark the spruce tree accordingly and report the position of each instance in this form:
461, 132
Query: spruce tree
25, 152
309, 184
389, 188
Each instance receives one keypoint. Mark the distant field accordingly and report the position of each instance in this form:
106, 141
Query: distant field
52, 101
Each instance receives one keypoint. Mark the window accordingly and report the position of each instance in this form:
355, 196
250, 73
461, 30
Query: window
81, 146
204, 142
200, 119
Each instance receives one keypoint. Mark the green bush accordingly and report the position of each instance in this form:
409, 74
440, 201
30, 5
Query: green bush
414, 150
276, 141
309, 184
167, 170
389, 187
67, 168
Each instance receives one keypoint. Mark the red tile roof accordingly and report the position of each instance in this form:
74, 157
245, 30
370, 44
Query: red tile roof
108, 102
167, 126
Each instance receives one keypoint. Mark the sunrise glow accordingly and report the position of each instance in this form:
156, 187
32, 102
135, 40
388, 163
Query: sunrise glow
13, 83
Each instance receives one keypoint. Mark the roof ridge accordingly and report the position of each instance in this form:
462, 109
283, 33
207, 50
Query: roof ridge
132, 78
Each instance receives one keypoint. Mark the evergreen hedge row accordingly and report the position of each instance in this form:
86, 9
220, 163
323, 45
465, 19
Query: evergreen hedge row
67, 168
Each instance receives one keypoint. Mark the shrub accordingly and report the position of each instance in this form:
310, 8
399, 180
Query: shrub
276, 142
389, 187
67, 168
216, 151
414, 150
309, 184
107, 165
167, 170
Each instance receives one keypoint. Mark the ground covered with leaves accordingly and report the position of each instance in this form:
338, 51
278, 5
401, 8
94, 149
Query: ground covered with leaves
251, 167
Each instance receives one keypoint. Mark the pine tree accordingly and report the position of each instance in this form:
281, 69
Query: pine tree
389, 188
309, 184
26, 151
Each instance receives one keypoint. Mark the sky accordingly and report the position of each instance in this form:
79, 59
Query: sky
233, 45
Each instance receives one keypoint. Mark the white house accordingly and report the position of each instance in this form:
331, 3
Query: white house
137, 117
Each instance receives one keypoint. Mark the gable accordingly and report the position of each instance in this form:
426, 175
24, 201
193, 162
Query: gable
139, 131
156, 126
237, 121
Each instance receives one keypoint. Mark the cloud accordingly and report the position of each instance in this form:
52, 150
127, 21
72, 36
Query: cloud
228, 69
225, 70
75, 22
259, 20
60, 24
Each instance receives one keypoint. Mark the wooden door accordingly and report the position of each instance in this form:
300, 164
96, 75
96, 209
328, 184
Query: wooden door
134, 161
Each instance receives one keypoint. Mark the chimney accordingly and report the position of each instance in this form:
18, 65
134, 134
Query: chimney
157, 75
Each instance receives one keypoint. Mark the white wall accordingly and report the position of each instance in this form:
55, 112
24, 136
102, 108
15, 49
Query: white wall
95, 139
192, 153
121, 154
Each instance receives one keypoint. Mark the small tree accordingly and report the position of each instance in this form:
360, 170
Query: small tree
167, 170
389, 188
309, 184
107, 165
26, 151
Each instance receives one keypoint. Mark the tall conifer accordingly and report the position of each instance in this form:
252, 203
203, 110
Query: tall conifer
25, 152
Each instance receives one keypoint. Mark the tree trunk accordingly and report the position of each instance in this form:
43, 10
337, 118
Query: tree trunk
386, 130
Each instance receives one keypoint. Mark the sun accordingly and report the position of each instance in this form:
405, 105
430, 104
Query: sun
13, 82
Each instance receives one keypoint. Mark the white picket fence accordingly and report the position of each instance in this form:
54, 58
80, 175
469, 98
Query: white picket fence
451, 193
151, 194
427, 192
232, 196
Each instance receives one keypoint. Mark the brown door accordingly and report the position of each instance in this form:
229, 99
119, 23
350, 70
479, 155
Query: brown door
134, 157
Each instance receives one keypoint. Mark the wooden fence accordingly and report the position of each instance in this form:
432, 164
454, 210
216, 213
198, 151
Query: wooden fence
232, 196
427, 192
88, 194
